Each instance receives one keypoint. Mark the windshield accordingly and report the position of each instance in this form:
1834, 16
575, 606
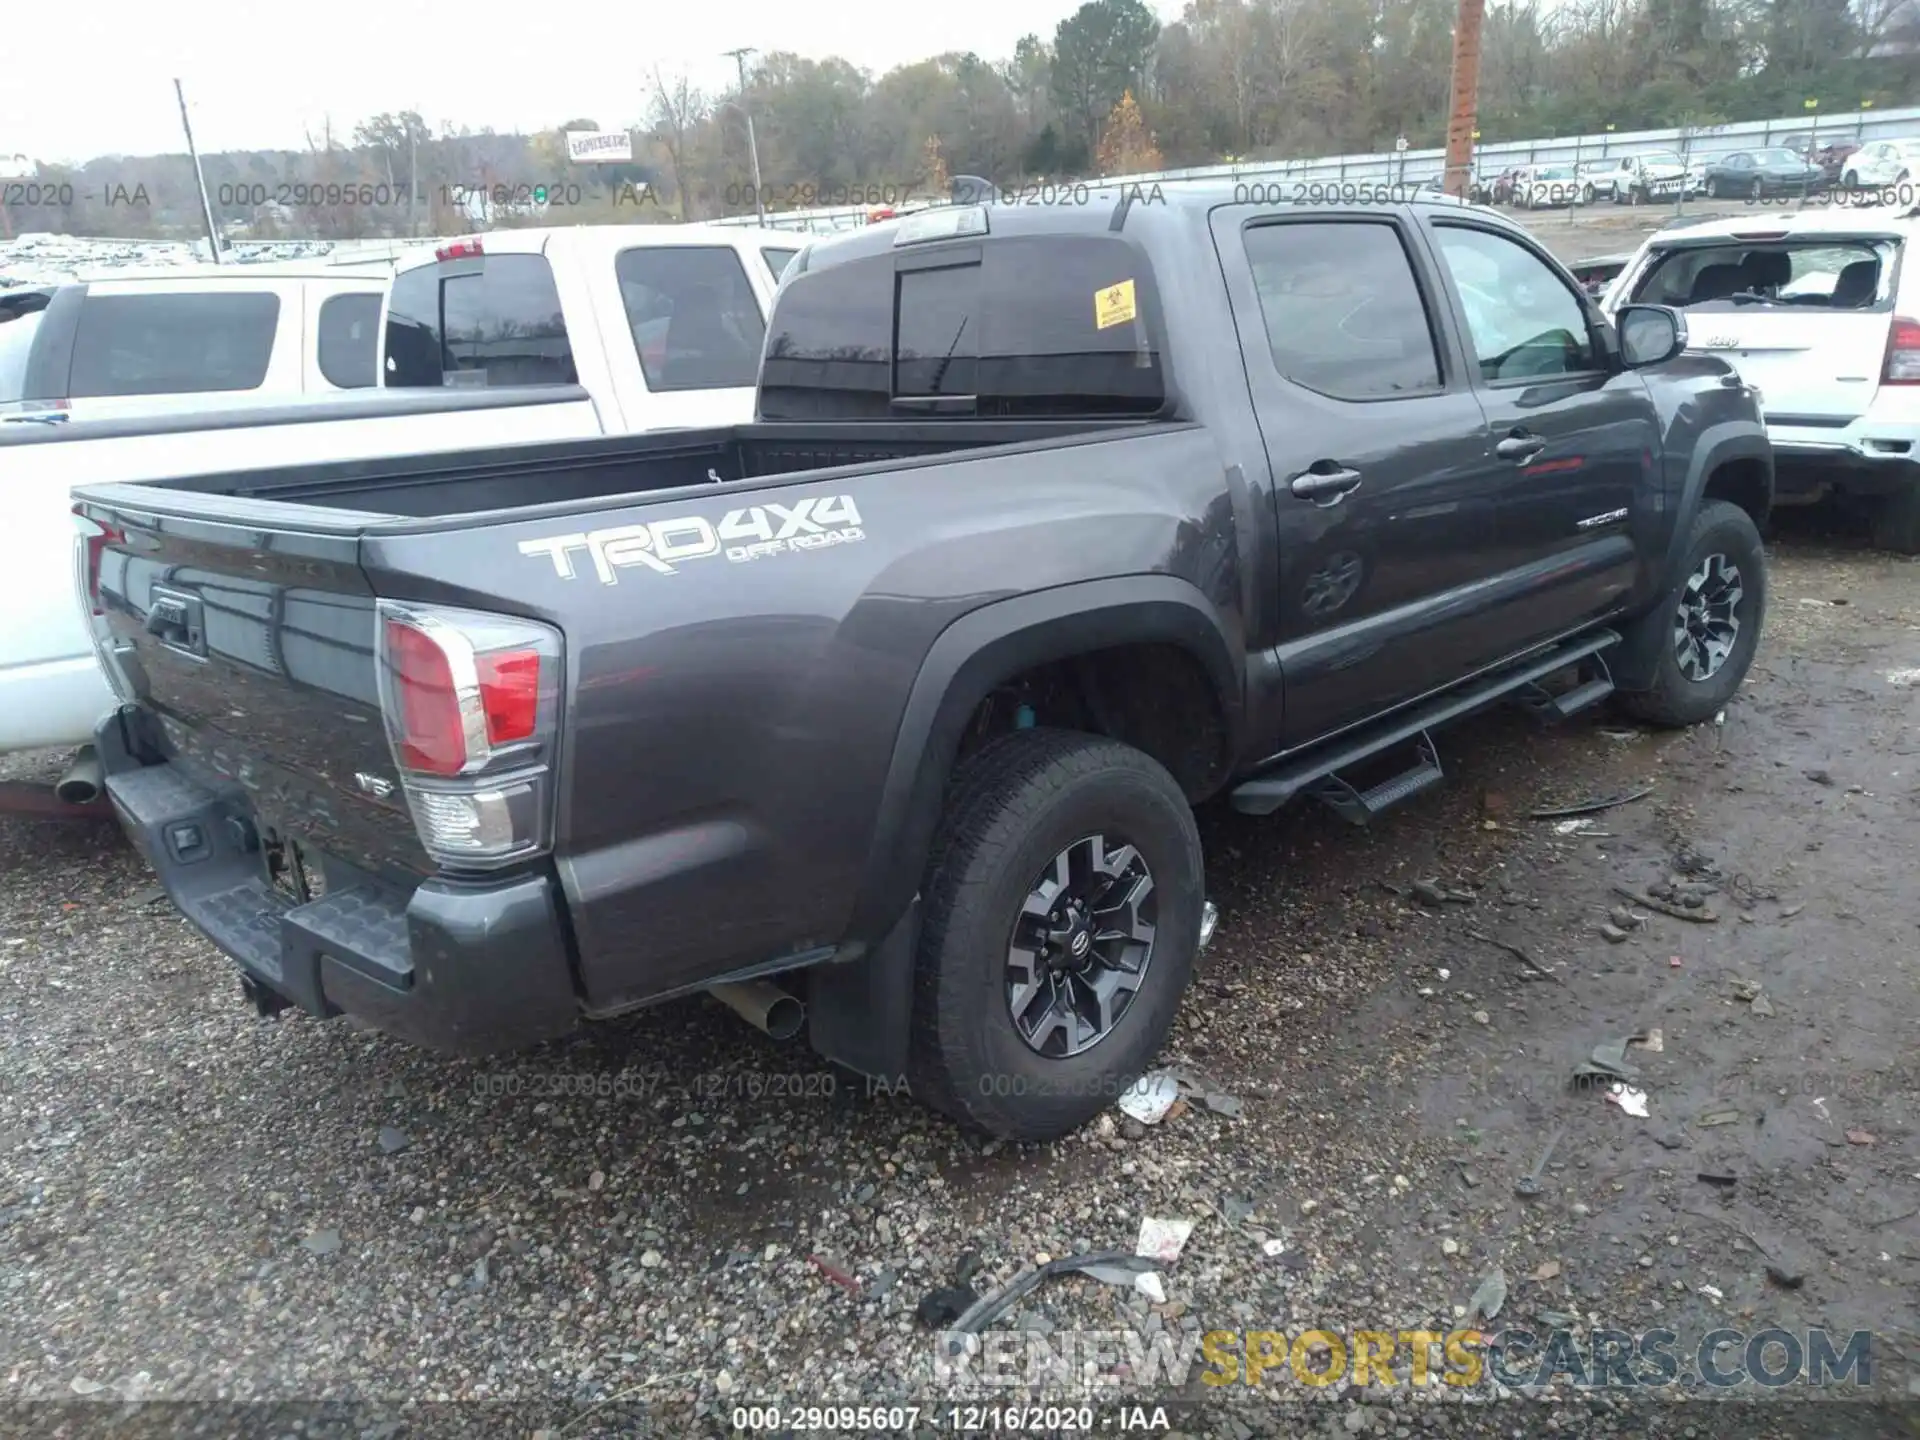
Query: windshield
1823, 274
1553, 172
1662, 157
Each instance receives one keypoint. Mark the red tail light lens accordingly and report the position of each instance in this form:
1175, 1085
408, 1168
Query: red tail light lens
510, 694
1903, 353
96, 539
432, 736
458, 250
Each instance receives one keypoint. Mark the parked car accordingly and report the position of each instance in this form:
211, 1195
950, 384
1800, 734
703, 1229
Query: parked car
1758, 174
881, 716
1597, 179
1644, 179
1541, 187
1696, 181
1820, 310
1882, 162
525, 335
191, 338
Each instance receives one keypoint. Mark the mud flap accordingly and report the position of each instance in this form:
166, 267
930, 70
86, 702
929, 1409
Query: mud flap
859, 1012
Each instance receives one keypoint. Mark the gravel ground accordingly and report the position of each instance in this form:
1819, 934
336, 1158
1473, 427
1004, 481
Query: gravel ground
197, 1204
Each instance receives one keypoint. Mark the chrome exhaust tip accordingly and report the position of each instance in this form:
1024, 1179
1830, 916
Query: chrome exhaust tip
1209, 919
764, 1006
84, 778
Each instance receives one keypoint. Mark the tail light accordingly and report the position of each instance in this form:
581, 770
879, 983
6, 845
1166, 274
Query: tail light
1903, 353
458, 250
90, 543
471, 703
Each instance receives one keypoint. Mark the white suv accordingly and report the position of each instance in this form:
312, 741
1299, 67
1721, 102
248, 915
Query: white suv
1817, 311
190, 338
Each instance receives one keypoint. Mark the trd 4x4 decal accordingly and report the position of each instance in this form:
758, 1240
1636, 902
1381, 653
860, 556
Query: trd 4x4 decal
812, 522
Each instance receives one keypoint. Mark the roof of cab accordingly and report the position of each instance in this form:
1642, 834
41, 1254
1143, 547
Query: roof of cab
538, 240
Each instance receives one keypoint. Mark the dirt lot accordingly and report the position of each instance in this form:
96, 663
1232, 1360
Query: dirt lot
197, 1204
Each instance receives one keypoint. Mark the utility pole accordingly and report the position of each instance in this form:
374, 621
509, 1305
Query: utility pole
413, 172
1466, 96
206, 209
753, 148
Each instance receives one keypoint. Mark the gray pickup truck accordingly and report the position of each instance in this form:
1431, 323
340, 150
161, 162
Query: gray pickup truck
882, 716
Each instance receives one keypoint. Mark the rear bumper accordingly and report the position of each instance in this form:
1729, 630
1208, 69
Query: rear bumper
462, 969
1865, 458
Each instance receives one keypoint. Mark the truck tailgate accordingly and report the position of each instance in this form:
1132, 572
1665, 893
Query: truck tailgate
255, 651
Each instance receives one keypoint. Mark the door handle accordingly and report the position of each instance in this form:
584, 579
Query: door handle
1519, 447
1323, 487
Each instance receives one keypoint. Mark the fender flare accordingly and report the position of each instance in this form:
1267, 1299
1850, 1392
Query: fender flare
1634, 661
976, 653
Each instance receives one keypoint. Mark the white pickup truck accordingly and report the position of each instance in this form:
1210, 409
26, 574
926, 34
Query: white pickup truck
515, 337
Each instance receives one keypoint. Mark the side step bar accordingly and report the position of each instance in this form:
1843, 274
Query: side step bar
1318, 771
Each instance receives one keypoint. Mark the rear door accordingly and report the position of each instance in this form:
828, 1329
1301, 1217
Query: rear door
1384, 500
1574, 440
1805, 317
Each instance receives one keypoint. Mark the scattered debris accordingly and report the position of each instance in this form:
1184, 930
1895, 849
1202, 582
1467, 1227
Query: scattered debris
1634, 1102
1725, 1178
1163, 1240
1904, 679
1594, 807
1491, 1295
1626, 919
1819, 777
1861, 1137
1150, 1097
1429, 894
1653, 1040
1577, 827
1820, 1108
393, 1141
1514, 950
1147, 1282
1673, 962
1761, 1005
1717, 1117
1613, 934
1221, 1103
1785, 1278
1712, 1292
1787, 912
1481, 1017
1608, 1062
846, 1282
1547, 1270
1528, 1185
322, 1242
984, 1310
1467, 1177
1698, 913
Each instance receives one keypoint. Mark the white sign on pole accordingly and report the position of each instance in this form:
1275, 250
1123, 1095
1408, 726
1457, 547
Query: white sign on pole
1401, 143
595, 147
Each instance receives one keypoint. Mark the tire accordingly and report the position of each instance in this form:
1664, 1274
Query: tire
1896, 522
1586, 195
1011, 809
1676, 699
1758, 190
1850, 181
1713, 188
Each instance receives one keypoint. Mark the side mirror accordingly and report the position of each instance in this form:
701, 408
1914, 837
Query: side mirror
1649, 334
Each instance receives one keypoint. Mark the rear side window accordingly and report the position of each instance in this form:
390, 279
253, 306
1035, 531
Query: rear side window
1343, 313
1823, 273
16, 347
481, 321
349, 340
1026, 326
173, 344
778, 260
693, 315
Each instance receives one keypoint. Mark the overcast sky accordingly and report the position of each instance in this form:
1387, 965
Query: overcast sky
257, 75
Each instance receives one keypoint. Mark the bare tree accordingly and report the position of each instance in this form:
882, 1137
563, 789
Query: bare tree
675, 112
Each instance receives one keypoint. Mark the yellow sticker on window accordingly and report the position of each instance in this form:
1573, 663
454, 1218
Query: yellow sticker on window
1114, 305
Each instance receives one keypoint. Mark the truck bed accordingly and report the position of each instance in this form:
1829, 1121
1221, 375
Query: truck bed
551, 473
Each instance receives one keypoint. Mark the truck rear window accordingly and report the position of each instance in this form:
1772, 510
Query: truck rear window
693, 315
1823, 272
482, 321
1026, 326
172, 344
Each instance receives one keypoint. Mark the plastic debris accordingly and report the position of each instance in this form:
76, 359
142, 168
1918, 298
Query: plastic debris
1634, 1102
1861, 1137
1719, 1177
1593, 807
839, 1276
984, 1310
1162, 1240
1718, 1117
1607, 1062
1713, 1292
1221, 1103
1147, 1282
1653, 1040
1547, 1270
1273, 1249
1761, 1005
1573, 827
1904, 679
1150, 1097
1673, 962
1491, 1295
